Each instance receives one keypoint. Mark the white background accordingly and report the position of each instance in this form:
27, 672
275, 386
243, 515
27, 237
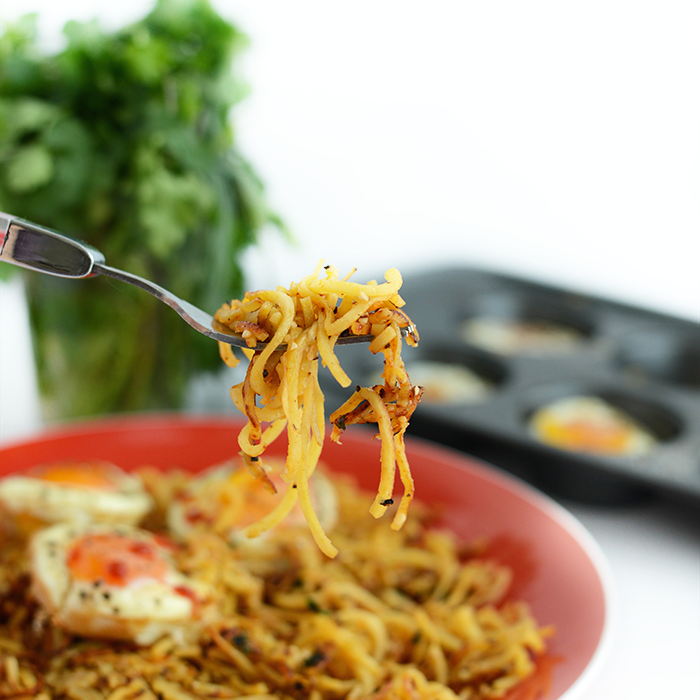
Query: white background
554, 140
557, 140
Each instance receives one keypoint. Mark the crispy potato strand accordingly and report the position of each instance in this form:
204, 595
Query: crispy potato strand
302, 325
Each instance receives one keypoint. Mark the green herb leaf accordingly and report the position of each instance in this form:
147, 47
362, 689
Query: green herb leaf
30, 168
124, 140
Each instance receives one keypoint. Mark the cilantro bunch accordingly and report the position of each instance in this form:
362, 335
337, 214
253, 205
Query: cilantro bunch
125, 140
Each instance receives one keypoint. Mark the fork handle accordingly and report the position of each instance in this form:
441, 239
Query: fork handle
37, 248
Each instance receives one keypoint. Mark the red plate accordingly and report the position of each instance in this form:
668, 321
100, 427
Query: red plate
558, 567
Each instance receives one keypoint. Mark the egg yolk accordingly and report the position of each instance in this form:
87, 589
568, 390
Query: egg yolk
116, 560
85, 475
585, 435
239, 500
258, 501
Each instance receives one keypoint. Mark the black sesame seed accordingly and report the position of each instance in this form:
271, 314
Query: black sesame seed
315, 659
242, 642
314, 606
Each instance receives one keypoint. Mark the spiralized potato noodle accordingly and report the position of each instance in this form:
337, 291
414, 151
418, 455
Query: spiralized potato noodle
300, 326
410, 615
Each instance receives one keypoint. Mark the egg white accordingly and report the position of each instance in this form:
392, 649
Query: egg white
142, 611
54, 502
515, 337
445, 382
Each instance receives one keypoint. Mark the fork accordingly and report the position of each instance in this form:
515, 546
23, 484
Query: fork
38, 248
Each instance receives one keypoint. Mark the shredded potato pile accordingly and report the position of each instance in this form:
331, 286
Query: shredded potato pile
300, 325
399, 615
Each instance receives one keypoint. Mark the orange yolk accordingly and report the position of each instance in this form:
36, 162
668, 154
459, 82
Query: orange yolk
258, 503
85, 475
116, 560
243, 494
611, 437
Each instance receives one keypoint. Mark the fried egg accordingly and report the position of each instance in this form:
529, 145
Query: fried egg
590, 424
444, 382
520, 336
112, 582
227, 498
73, 491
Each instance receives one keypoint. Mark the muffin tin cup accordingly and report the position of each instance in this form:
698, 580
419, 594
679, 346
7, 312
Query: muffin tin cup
645, 363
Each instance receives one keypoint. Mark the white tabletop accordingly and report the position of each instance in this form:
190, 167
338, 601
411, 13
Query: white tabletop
653, 551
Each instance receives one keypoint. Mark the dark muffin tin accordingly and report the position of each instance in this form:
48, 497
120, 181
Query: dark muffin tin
645, 363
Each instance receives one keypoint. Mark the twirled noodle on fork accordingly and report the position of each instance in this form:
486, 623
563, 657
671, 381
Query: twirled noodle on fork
301, 325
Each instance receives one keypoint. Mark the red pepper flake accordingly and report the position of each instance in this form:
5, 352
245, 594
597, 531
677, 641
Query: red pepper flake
142, 549
195, 515
188, 593
117, 571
